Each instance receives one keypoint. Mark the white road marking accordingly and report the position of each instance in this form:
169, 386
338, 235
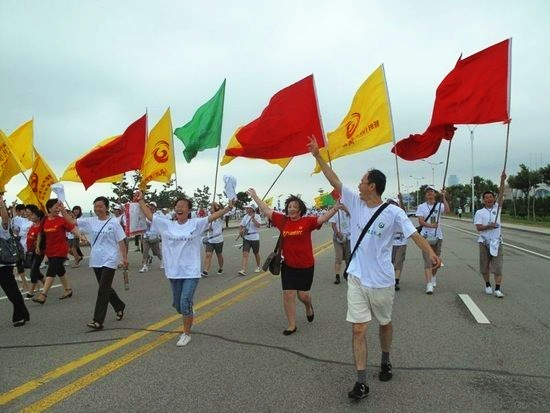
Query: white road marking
5, 298
474, 309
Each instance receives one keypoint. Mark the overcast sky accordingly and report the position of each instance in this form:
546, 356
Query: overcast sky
84, 70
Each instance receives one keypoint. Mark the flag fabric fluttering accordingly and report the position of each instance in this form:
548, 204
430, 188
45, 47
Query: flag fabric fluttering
234, 144
9, 164
205, 129
476, 91
21, 142
158, 162
367, 124
71, 175
122, 154
283, 128
325, 199
41, 178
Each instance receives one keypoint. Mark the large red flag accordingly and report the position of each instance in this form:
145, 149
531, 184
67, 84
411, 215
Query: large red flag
122, 154
476, 91
283, 128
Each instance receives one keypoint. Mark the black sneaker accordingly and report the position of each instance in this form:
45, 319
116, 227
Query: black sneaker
337, 280
385, 372
360, 391
397, 287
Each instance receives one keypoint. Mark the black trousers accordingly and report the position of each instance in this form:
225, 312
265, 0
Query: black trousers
9, 285
105, 294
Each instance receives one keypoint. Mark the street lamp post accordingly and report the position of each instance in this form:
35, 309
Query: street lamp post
433, 165
417, 179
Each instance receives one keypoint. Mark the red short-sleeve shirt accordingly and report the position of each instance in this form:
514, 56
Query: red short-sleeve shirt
56, 239
297, 246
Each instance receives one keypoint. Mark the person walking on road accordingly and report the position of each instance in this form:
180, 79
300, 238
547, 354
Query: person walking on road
297, 251
248, 230
371, 274
487, 222
340, 239
20, 313
429, 217
214, 242
107, 244
181, 250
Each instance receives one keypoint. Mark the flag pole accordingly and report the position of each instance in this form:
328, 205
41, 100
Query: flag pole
505, 158
447, 163
393, 133
276, 179
219, 146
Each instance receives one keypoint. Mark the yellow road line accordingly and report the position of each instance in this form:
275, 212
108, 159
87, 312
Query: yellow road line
82, 361
114, 365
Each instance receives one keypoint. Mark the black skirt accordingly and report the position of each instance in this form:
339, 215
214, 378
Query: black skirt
296, 278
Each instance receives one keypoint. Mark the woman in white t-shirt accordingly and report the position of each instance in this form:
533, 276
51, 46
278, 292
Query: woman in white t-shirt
213, 242
106, 238
181, 251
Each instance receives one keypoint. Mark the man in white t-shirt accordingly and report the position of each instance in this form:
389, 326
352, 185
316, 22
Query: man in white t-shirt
20, 226
429, 217
487, 222
250, 224
371, 275
399, 248
340, 239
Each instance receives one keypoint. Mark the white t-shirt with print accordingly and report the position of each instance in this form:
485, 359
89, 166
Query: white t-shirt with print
181, 246
484, 216
253, 234
214, 231
371, 263
341, 219
105, 251
423, 210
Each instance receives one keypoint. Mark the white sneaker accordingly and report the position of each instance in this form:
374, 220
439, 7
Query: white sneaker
429, 288
498, 294
242, 272
204, 274
144, 268
434, 282
184, 340
258, 269
488, 290
161, 265
220, 272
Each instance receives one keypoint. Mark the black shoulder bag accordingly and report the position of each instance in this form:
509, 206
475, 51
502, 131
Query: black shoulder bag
419, 228
274, 259
371, 220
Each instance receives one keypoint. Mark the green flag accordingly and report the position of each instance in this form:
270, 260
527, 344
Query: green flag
204, 131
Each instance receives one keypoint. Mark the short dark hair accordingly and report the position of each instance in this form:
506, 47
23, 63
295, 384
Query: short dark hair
79, 209
40, 214
50, 203
301, 204
189, 204
20, 207
32, 208
377, 178
102, 199
487, 192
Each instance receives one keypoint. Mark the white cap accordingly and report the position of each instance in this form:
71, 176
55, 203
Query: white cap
252, 206
429, 187
153, 203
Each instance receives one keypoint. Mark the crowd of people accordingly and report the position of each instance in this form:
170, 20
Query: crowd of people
369, 237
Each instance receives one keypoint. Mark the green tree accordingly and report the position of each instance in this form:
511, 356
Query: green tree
242, 199
167, 197
202, 197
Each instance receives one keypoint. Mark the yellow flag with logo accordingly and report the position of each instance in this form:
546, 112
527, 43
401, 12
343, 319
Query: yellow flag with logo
39, 188
367, 124
71, 175
9, 164
158, 162
269, 201
21, 142
234, 143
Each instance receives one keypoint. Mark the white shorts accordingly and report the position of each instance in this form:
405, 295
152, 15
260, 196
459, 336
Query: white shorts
363, 302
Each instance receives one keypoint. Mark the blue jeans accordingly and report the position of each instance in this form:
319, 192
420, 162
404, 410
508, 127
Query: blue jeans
183, 290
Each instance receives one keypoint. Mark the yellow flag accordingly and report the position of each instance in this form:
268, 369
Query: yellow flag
21, 141
367, 124
234, 143
158, 161
9, 164
71, 175
318, 202
38, 190
269, 201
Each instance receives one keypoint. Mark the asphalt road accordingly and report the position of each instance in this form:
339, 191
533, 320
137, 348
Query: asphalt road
239, 360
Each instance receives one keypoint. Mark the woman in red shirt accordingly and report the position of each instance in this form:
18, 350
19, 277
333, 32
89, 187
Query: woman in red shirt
297, 251
36, 216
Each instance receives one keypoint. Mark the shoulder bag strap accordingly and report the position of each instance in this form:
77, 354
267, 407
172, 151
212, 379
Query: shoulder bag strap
364, 231
97, 236
278, 246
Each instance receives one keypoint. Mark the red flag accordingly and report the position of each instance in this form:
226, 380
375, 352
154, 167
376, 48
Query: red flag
283, 128
476, 91
122, 154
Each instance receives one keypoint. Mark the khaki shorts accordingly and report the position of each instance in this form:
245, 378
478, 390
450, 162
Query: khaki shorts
364, 302
487, 263
398, 256
437, 249
341, 250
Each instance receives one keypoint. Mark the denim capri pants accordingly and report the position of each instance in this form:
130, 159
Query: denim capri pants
183, 290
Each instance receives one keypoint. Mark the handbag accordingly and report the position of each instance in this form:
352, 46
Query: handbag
363, 232
274, 260
11, 250
419, 228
